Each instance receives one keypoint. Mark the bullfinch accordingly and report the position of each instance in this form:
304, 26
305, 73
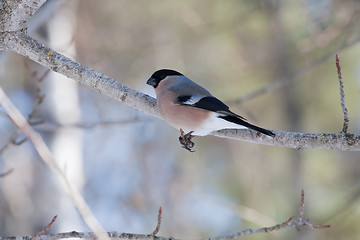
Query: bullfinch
192, 109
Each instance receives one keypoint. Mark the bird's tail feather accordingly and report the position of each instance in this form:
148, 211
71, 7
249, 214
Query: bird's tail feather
240, 121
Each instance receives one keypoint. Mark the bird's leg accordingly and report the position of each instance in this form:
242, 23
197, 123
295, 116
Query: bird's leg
188, 138
185, 140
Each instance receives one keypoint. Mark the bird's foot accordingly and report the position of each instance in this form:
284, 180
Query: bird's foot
185, 140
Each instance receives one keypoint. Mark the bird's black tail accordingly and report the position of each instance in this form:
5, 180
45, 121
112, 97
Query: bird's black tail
239, 121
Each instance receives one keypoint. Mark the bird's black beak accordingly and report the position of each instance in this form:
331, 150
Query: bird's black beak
152, 82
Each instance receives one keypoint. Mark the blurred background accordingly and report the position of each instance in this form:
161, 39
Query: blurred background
272, 62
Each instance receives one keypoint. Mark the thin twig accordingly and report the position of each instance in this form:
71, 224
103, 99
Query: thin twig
45, 229
6, 173
284, 80
342, 95
39, 99
290, 223
302, 206
11, 141
158, 224
300, 219
45, 155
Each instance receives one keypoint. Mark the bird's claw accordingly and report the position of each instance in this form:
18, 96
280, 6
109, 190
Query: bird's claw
185, 140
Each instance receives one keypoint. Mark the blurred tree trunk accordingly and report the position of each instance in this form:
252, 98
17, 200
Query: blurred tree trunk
63, 104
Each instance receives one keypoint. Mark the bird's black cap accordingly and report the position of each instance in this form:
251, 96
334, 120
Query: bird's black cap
160, 75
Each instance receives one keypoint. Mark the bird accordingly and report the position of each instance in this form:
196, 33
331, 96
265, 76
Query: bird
192, 109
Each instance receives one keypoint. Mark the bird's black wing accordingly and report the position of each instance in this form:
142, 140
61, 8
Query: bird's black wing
209, 103
215, 105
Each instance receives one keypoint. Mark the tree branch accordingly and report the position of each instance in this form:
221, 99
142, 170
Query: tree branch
16, 13
24, 45
20, 122
290, 223
335, 141
21, 43
29, 47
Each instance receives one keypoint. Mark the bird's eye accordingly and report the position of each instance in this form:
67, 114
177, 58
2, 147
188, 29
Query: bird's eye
162, 76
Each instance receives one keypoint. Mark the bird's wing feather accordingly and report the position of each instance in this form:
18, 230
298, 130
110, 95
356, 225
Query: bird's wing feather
213, 104
209, 103
204, 102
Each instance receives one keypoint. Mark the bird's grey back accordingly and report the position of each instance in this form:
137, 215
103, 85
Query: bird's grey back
183, 86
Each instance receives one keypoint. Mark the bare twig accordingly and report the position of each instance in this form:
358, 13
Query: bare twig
39, 99
290, 223
300, 219
45, 229
18, 119
158, 224
34, 73
342, 96
52, 126
284, 80
7, 145
6, 173
12, 141
302, 205
249, 231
